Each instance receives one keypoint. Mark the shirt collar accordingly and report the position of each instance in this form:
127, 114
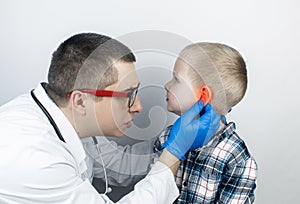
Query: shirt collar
69, 134
228, 130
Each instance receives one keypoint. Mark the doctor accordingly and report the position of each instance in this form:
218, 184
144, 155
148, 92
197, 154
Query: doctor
91, 90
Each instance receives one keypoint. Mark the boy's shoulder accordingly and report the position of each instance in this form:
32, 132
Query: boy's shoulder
227, 146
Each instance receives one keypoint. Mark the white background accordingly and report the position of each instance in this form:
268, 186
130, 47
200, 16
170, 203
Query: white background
265, 32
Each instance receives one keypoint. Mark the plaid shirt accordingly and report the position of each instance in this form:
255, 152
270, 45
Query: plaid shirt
223, 171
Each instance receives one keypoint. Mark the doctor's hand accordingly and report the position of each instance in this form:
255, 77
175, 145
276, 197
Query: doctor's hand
190, 132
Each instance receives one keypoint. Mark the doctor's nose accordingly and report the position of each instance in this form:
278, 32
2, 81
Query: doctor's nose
137, 106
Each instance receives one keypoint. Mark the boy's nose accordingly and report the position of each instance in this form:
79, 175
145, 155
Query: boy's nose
137, 106
167, 86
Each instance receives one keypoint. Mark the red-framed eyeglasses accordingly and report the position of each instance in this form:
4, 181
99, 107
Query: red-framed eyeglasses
130, 93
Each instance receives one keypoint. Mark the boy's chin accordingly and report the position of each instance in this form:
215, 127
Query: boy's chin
175, 112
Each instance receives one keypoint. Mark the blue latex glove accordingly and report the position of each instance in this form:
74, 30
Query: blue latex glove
190, 132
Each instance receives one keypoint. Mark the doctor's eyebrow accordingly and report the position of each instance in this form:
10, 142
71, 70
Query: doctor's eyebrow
130, 88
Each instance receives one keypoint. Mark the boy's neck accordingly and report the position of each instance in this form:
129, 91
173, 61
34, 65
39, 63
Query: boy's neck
222, 126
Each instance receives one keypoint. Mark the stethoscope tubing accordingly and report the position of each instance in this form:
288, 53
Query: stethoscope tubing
59, 135
52, 122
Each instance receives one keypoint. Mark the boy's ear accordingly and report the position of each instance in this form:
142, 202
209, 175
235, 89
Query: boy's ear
78, 101
205, 94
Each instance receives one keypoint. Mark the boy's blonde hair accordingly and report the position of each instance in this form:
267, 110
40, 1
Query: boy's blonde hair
221, 68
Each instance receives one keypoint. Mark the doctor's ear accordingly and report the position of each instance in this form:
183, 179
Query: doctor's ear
78, 101
205, 94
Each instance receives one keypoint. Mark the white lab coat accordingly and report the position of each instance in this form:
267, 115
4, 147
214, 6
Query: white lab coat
36, 167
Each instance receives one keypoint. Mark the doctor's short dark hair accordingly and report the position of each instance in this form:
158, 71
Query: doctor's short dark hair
85, 61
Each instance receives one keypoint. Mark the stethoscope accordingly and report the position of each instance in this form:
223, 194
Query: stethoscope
59, 135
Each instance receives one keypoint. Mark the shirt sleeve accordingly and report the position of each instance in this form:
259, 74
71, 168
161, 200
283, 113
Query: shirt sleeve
157, 187
124, 164
238, 183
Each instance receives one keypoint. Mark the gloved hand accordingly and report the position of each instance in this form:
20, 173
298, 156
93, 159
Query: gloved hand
190, 132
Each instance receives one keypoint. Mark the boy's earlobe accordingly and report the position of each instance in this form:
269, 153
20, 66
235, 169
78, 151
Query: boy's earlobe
205, 94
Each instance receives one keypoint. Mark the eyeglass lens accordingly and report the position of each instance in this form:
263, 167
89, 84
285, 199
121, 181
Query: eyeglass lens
132, 97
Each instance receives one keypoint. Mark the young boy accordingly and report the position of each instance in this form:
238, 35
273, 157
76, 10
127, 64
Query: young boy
223, 171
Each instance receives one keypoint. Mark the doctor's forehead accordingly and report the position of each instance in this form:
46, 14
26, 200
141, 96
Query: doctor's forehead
127, 75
